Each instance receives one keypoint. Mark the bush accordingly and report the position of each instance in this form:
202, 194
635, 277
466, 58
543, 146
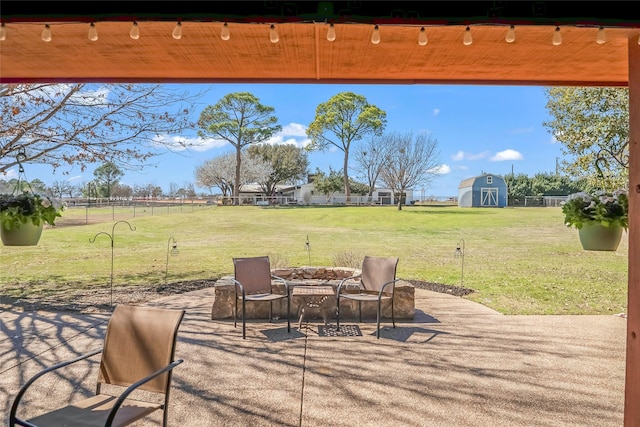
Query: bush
277, 261
348, 259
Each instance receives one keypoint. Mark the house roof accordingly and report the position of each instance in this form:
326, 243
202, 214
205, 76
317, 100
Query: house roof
304, 55
470, 181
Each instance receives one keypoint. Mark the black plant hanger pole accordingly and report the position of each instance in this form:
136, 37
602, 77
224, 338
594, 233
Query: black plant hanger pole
111, 237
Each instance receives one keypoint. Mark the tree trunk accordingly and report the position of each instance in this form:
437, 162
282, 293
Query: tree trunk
347, 190
236, 184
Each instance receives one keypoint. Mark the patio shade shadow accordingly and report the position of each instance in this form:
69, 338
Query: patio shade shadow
401, 333
420, 316
281, 334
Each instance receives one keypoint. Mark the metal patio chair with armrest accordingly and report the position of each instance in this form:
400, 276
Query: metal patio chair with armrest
252, 279
377, 284
138, 354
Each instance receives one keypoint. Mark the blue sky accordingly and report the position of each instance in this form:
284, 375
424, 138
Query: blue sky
494, 129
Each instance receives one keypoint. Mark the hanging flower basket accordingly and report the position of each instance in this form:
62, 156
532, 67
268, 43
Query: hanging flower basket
599, 218
23, 215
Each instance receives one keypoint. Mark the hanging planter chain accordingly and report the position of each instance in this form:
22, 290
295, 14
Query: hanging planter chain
22, 177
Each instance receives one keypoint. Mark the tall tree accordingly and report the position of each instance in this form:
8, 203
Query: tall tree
370, 158
327, 184
240, 119
288, 163
217, 172
342, 120
106, 176
121, 191
220, 172
60, 189
80, 124
409, 161
592, 124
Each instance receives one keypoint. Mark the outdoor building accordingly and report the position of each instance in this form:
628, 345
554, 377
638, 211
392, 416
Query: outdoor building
307, 195
483, 191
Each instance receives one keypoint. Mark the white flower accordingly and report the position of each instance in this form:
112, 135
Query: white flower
605, 199
45, 202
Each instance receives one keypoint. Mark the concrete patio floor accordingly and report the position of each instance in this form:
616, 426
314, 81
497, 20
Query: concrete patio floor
457, 363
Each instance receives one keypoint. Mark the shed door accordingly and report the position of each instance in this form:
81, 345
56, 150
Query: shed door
489, 197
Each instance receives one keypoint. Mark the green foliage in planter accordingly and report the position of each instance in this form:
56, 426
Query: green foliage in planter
17, 209
609, 209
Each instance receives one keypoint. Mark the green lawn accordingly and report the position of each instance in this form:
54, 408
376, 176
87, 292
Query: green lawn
518, 260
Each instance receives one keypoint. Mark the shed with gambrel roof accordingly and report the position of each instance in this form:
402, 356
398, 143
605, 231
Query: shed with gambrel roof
484, 191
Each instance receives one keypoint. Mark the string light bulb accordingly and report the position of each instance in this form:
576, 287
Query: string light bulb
177, 31
375, 36
273, 34
422, 37
3, 32
135, 31
602, 37
557, 37
511, 34
46, 33
93, 32
331, 33
224, 33
467, 39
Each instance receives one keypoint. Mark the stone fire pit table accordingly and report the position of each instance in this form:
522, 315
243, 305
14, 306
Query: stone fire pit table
223, 303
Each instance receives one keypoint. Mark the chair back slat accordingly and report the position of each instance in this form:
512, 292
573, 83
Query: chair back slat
138, 342
254, 274
376, 271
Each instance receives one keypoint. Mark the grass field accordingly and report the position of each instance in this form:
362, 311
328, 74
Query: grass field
518, 260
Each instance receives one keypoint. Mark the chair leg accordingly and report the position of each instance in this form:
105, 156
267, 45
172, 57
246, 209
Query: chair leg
244, 321
235, 314
378, 320
288, 314
338, 312
360, 311
393, 316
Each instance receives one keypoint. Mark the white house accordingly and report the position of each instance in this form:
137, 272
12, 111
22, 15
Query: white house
306, 194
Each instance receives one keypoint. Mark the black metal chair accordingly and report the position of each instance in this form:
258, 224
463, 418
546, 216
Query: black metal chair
252, 279
377, 284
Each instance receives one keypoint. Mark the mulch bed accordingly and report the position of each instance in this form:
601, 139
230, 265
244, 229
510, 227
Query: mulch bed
99, 300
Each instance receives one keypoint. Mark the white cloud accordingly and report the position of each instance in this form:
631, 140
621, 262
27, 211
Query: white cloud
293, 133
92, 97
181, 143
436, 111
461, 155
294, 129
443, 169
74, 178
506, 155
458, 156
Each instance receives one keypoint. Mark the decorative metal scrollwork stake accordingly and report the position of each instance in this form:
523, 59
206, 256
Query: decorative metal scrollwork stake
173, 250
307, 247
111, 237
459, 253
